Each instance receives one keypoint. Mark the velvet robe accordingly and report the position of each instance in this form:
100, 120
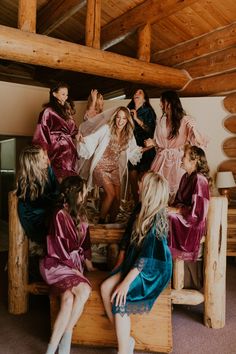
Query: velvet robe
187, 227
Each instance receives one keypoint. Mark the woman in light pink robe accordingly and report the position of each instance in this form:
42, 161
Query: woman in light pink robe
173, 130
68, 253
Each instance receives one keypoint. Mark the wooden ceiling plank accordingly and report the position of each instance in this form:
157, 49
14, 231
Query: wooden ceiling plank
16, 45
93, 23
218, 62
149, 11
208, 43
144, 43
55, 12
211, 85
27, 15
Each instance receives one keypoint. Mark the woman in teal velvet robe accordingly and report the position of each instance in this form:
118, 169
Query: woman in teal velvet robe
144, 265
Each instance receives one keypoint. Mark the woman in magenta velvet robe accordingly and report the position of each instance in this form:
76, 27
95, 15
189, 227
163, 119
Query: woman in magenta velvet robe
56, 130
187, 216
68, 253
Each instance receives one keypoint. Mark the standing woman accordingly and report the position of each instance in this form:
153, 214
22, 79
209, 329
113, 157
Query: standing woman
37, 190
56, 130
174, 129
111, 147
146, 265
94, 105
144, 119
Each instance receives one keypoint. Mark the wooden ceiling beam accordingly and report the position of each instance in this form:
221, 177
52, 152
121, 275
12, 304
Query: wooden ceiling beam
144, 43
42, 50
211, 64
212, 42
149, 11
211, 85
27, 10
93, 23
55, 12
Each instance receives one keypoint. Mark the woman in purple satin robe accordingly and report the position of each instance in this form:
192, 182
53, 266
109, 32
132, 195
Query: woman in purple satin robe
187, 216
56, 130
68, 253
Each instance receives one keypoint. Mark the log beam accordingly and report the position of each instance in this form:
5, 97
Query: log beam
57, 12
212, 42
27, 10
149, 11
211, 85
36, 49
215, 63
144, 43
93, 23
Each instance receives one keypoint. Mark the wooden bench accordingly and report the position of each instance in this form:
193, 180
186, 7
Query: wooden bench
214, 290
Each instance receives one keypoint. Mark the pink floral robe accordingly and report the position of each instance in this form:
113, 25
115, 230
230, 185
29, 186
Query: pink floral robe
67, 248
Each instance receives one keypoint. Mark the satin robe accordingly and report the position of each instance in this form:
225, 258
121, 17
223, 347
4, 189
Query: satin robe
56, 135
187, 227
67, 248
152, 259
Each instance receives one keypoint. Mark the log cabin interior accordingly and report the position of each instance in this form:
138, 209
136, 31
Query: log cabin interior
116, 47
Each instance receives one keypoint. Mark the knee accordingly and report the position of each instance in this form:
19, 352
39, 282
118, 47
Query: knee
104, 289
83, 292
67, 299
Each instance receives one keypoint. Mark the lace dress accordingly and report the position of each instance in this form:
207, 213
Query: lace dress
107, 169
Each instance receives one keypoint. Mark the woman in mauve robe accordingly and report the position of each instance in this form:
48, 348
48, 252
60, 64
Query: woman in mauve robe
174, 129
56, 130
68, 253
187, 216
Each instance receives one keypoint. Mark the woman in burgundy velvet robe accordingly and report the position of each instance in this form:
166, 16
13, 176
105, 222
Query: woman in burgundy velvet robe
187, 216
56, 130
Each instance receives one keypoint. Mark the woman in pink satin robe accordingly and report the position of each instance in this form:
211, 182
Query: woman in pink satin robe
173, 130
187, 215
68, 253
56, 130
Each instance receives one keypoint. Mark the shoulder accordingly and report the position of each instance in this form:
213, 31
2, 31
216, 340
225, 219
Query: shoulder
201, 179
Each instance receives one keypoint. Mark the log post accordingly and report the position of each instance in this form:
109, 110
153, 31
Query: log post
27, 10
144, 43
215, 263
93, 24
17, 262
178, 274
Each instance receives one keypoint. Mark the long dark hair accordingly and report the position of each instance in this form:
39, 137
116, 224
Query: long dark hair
177, 111
69, 191
65, 111
147, 103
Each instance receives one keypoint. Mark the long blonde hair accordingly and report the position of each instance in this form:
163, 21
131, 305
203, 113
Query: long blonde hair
127, 131
31, 177
154, 197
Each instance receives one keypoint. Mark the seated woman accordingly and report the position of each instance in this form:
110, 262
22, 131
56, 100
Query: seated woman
37, 190
187, 215
68, 253
111, 147
144, 266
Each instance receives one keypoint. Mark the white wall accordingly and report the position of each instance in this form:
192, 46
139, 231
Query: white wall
21, 104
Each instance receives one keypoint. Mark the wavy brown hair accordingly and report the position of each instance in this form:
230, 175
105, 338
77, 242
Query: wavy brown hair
30, 176
198, 155
127, 131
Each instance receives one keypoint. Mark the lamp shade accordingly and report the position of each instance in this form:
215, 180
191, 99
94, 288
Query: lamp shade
225, 180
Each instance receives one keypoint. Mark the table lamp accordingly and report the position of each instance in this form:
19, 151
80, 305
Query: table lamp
225, 181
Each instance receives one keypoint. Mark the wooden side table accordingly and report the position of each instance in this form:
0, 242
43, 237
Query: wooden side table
231, 233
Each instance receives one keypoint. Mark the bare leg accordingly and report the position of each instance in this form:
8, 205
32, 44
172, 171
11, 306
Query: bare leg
109, 195
62, 319
81, 294
116, 204
107, 289
122, 324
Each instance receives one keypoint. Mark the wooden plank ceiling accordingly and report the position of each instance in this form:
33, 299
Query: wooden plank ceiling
196, 38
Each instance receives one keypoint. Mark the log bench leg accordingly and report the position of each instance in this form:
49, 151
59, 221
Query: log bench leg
17, 262
178, 274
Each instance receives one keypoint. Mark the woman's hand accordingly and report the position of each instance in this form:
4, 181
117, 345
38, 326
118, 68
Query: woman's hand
149, 143
94, 94
174, 210
79, 138
89, 265
120, 259
120, 293
134, 114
